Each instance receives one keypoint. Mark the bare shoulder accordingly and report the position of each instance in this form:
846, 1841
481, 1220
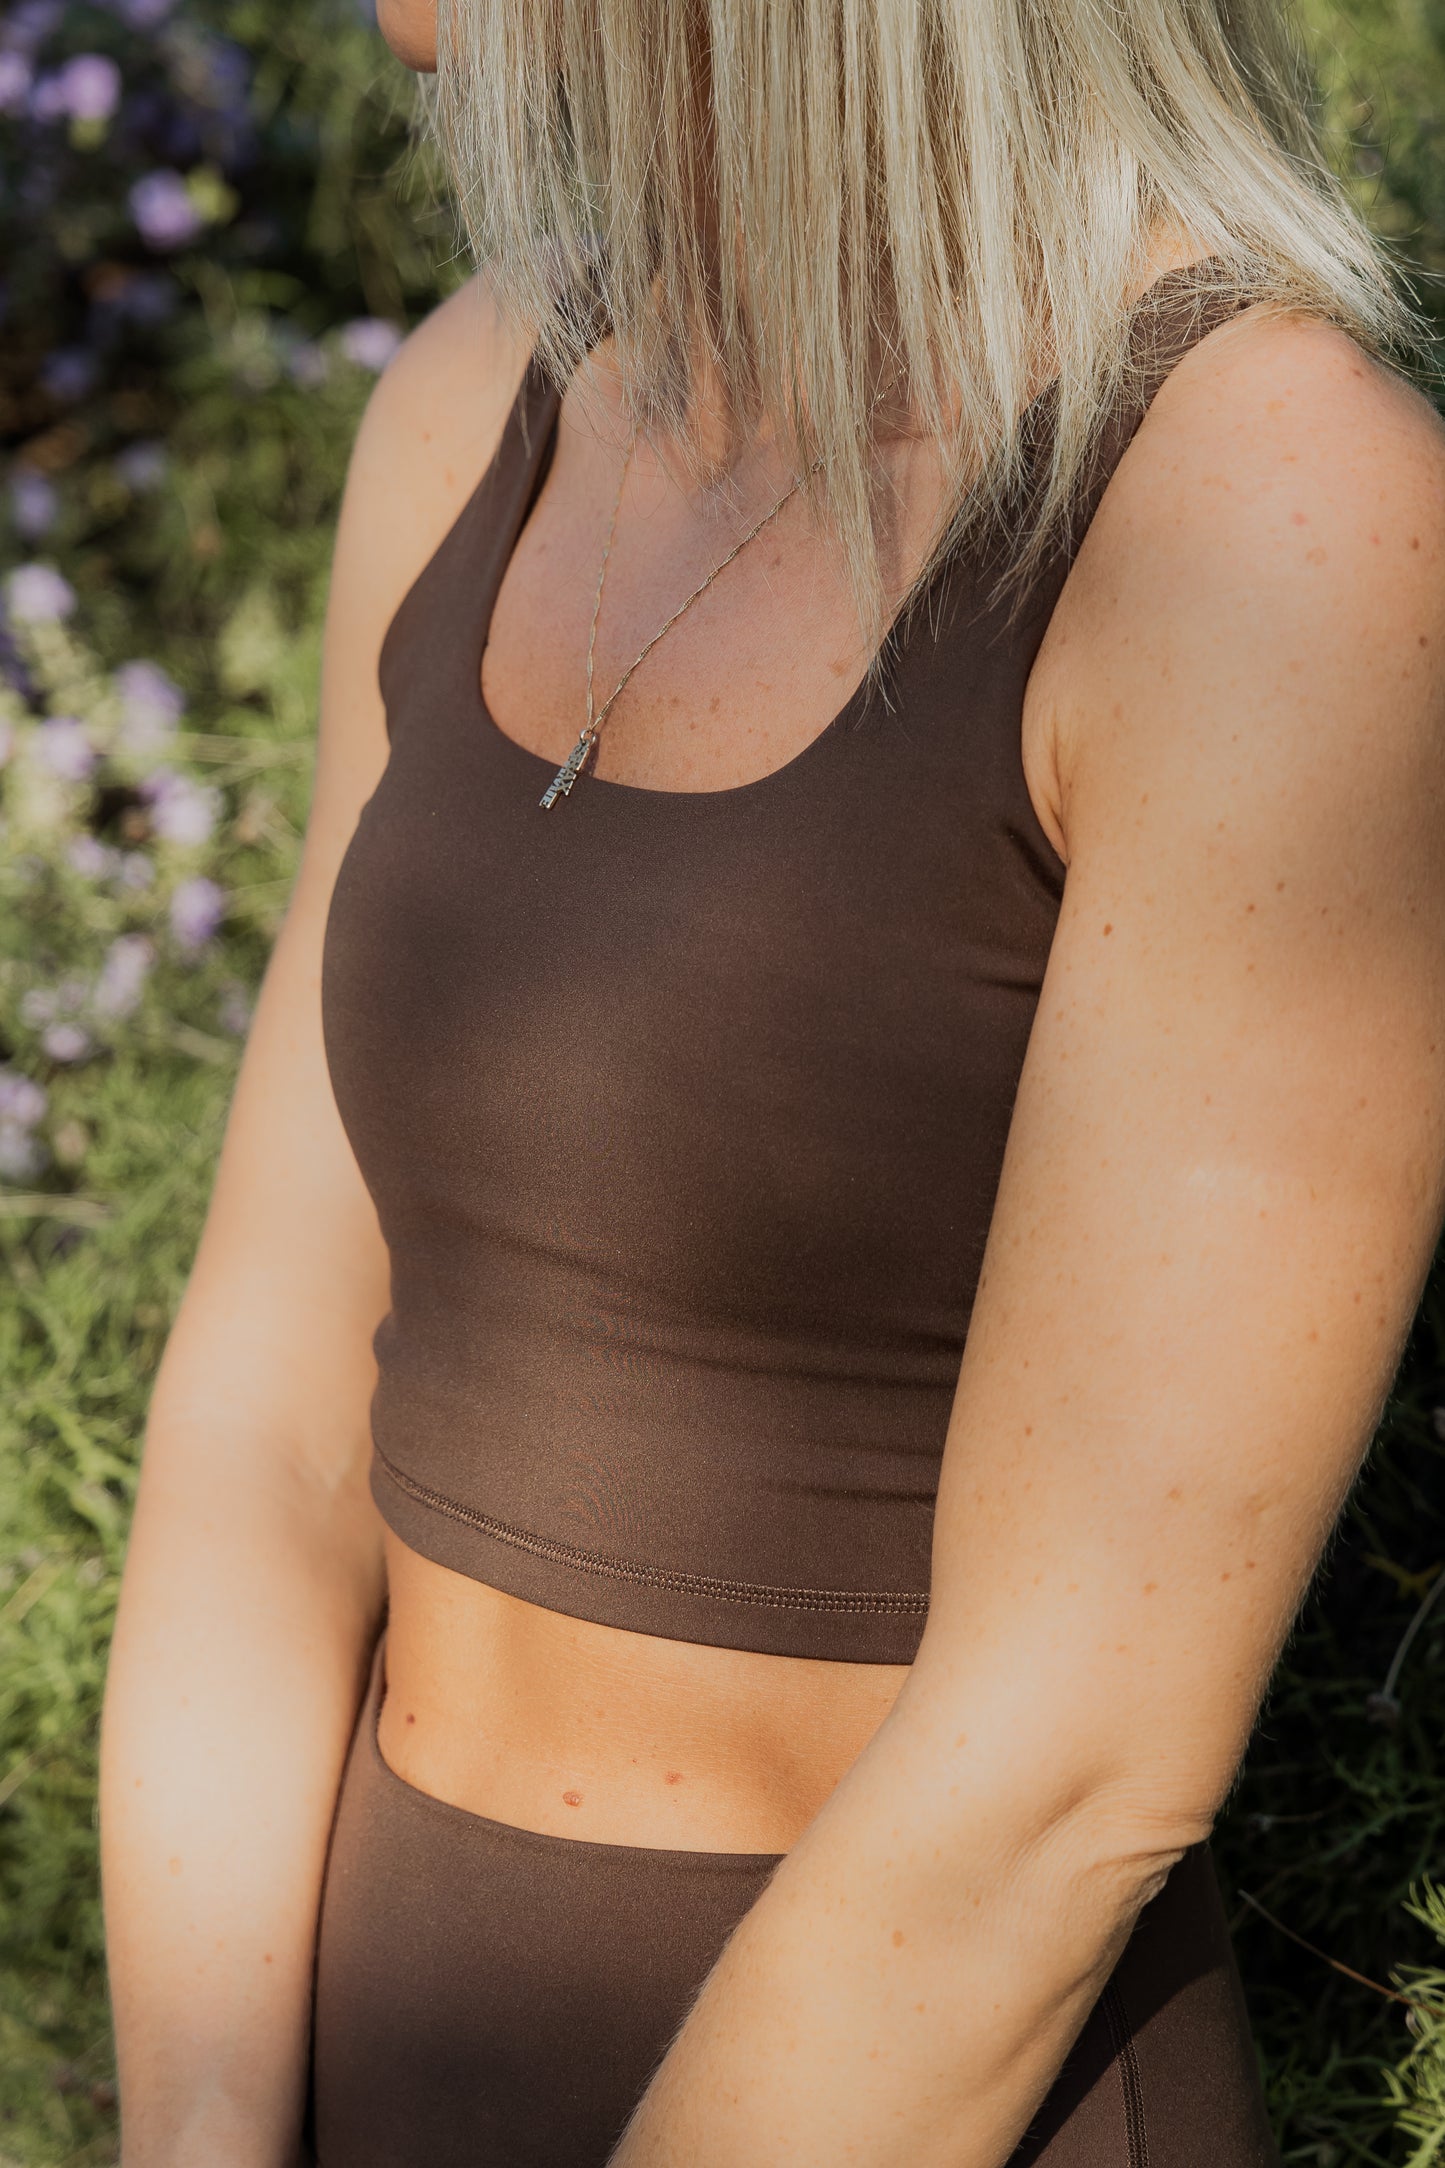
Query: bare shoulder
432, 424
430, 428
1278, 441
1267, 567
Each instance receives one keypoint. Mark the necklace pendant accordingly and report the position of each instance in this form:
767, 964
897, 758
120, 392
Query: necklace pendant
569, 771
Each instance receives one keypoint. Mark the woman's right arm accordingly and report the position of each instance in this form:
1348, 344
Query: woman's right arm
253, 1587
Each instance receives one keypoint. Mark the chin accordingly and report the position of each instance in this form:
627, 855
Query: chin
410, 29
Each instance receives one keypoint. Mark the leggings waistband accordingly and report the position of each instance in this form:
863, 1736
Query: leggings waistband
382, 1778
491, 1993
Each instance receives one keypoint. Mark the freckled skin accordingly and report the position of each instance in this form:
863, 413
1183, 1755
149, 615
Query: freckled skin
999, 1479
1073, 1291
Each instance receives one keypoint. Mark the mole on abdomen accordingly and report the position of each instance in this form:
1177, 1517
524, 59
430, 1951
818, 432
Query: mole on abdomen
571, 1799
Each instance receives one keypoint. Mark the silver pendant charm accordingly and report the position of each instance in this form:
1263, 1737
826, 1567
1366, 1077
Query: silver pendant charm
569, 771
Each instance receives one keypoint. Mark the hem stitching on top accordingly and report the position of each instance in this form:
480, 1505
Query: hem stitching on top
908, 1602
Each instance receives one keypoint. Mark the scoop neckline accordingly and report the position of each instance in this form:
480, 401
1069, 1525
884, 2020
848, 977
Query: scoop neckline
542, 763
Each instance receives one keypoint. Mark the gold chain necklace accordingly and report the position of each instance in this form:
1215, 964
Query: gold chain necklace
576, 760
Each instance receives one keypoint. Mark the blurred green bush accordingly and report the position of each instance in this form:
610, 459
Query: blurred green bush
213, 227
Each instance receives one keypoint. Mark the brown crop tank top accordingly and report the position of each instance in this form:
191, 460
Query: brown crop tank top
684, 1112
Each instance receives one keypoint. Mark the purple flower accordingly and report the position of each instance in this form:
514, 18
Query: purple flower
34, 501
181, 811
15, 80
308, 365
47, 99
123, 975
177, 137
146, 297
235, 1011
151, 706
135, 870
143, 465
197, 908
163, 211
65, 1042
36, 594
63, 746
142, 14
69, 373
370, 342
228, 74
89, 857
22, 1100
21, 1158
88, 87
30, 22
14, 674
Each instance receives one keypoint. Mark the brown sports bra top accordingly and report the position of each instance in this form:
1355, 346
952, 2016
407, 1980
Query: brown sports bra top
684, 1112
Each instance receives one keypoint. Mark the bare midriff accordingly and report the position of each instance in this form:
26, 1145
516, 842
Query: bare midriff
575, 1729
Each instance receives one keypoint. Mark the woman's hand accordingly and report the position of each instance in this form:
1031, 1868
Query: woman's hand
253, 1586
1224, 1183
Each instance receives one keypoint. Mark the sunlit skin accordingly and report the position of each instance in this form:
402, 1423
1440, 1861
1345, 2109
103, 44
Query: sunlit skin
410, 29
1225, 1178
527, 1715
523, 1714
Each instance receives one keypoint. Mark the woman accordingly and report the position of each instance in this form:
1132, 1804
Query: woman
796, 1734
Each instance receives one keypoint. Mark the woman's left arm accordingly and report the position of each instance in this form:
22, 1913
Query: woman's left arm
1224, 1183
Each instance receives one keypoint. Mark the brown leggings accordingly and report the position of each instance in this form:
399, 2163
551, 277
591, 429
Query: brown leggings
491, 1997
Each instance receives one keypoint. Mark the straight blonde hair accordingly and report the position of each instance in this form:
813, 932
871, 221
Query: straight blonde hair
935, 206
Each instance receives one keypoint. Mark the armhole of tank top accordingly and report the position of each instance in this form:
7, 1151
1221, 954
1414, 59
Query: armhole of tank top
513, 441
1173, 338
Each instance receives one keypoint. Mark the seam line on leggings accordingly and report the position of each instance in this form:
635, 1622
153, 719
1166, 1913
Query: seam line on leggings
859, 1601
1135, 2135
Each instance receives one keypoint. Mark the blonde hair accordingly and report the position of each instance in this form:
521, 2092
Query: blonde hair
935, 206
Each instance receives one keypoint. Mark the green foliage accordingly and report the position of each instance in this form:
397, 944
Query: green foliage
92, 1284
1381, 64
97, 1235
1417, 2087
194, 484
